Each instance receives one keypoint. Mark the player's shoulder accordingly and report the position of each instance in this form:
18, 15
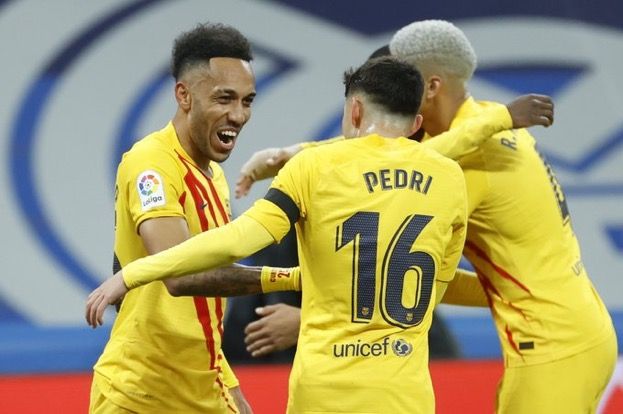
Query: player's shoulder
153, 152
153, 146
509, 141
440, 161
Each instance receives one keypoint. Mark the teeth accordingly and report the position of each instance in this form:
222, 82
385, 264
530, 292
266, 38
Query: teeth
229, 133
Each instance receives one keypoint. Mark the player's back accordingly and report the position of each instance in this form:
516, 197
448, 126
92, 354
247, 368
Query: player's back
521, 241
378, 217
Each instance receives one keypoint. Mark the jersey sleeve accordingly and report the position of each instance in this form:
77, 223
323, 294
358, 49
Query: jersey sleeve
286, 200
208, 250
152, 184
466, 137
454, 248
465, 290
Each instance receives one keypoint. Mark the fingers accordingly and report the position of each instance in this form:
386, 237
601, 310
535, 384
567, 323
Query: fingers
268, 309
94, 302
545, 116
542, 109
279, 159
262, 351
253, 326
259, 343
243, 185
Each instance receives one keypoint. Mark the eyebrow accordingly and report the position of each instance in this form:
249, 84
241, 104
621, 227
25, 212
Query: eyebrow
233, 92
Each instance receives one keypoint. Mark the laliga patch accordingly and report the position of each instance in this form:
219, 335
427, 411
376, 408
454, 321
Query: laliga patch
150, 190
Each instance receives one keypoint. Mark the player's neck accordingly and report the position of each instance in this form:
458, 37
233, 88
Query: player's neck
183, 136
444, 112
384, 126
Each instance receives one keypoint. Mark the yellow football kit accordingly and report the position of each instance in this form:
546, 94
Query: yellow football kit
380, 224
522, 245
164, 354
461, 140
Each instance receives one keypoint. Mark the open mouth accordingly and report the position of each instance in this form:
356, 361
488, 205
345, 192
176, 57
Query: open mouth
227, 136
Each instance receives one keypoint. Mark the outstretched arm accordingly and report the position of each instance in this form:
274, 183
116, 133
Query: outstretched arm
211, 249
465, 290
523, 112
236, 280
161, 233
266, 163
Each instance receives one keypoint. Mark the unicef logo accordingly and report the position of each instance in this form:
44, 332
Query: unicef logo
148, 184
401, 347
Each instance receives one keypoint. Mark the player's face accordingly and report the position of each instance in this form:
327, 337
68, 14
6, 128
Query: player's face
221, 104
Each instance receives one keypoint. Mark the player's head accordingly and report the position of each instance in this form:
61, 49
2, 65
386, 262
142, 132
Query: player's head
443, 55
435, 46
380, 52
214, 89
382, 95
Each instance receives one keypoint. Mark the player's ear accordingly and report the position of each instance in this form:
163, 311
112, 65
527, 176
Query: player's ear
356, 112
432, 86
417, 124
182, 96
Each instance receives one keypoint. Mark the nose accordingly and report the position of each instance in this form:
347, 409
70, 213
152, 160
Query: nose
238, 114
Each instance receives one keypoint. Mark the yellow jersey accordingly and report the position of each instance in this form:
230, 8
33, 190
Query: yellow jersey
379, 221
522, 245
164, 354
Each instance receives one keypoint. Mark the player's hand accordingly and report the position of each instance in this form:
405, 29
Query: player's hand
277, 329
241, 402
530, 110
263, 164
108, 293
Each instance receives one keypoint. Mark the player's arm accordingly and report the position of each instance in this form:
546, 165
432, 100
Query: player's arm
454, 248
208, 250
465, 290
159, 234
523, 112
236, 280
266, 163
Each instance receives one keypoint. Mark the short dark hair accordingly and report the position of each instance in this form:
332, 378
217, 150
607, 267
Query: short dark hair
395, 85
207, 41
380, 52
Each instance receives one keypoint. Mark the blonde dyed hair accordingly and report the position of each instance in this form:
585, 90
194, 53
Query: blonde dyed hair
435, 45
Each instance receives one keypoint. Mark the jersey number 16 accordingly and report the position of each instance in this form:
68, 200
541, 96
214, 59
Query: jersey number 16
362, 229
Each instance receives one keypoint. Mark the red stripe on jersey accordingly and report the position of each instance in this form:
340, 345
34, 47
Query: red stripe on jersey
225, 216
509, 336
487, 286
489, 289
200, 196
224, 395
203, 313
480, 253
219, 314
182, 201
218, 202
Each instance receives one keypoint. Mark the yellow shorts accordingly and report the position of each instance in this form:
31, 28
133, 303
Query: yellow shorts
101, 405
570, 385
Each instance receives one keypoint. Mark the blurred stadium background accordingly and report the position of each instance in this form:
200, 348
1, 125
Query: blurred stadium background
83, 79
